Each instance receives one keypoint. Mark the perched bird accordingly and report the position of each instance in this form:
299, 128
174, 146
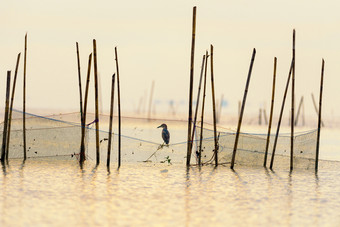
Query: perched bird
165, 133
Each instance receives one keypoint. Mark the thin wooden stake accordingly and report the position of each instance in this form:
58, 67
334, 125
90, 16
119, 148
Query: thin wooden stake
11, 106
213, 102
111, 119
24, 102
242, 110
4, 134
271, 114
298, 112
202, 114
189, 142
281, 114
197, 102
119, 114
292, 111
96, 100
82, 149
319, 120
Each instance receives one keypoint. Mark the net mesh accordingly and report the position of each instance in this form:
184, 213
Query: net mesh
60, 135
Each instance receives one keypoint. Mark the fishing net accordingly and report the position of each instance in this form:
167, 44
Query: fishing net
60, 135
251, 149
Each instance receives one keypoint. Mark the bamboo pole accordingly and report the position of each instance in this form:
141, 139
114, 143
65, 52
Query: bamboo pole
111, 119
24, 102
82, 150
298, 112
197, 102
189, 142
271, 114
119, 113
292, 111
150, 101
281, 113
213, 102
4, 134
203, 104
11, 106
316, 110
319, 120
242, 110
96, 100
80, 88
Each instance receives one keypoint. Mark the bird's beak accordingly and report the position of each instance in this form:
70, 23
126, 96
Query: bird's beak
159, 126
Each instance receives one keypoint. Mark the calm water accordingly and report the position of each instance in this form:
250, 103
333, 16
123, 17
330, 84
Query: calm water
58, 193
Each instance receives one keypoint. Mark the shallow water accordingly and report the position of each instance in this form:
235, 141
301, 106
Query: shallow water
47, 192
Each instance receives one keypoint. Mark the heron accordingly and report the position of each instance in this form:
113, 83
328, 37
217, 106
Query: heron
165, 133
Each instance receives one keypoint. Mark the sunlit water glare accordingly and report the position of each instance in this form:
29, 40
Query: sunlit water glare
47, 192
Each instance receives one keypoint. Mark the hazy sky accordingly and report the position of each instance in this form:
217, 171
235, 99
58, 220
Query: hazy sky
154, 39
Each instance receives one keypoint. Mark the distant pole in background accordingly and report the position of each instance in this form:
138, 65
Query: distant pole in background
197, 102
265, 116
316, 110
111, 119
96, 100
303, 113
4, 134
292, 111
202, 113
281, 113
213, 101
82, 149
298, 112
150, 101
260, 116
119, 113
192, 58
220, 109
319, 120
242, 110
11, 106
24, 101
271, 114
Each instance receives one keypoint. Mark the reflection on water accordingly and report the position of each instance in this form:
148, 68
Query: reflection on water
59, 193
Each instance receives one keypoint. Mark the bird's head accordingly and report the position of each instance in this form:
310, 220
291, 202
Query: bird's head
163, 126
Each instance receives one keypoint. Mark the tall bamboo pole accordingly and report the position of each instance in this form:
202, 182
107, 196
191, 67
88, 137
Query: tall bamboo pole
82, 150
242, 110
202, 114
111, 119
271, 114
80, 87
11, 106
281, 113
24, 102
292, 111
319, 120
96, 100
213, 101
119, 113
189, 142
298, 112
4, 134
197, 101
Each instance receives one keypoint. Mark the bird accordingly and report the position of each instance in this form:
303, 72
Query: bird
165, 133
